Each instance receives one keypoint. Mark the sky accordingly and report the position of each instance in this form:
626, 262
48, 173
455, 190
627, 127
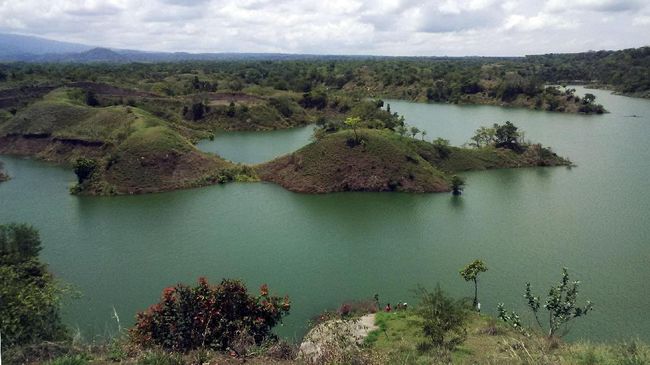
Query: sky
380, 27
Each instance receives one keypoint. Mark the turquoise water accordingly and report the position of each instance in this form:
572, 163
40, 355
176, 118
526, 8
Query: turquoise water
526, 224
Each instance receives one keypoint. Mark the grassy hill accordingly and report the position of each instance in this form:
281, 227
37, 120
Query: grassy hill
385, 161
136, 152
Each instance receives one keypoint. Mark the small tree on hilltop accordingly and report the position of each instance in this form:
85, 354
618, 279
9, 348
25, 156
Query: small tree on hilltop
484, 136
561, 304
471, 273
414, 131
507, 136
353, 122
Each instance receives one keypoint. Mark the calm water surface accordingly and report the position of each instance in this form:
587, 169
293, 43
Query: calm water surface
527, 224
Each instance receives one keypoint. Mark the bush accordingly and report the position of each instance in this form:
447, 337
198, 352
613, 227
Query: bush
84, 168
443, 318
209, 316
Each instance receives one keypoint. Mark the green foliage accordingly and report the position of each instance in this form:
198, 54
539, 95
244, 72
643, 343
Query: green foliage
84, 168
457, 185
18, 243
209, 316
442, 146
353, 122
561, 305
484, 136
507, 136
29, 296
472, 270
444, 318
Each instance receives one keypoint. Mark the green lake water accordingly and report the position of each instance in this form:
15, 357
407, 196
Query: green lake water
526, 224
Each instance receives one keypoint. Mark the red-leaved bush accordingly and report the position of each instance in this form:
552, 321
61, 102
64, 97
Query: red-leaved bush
211, 316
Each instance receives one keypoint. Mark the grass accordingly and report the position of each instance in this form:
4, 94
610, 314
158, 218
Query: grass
383, 161
491, 342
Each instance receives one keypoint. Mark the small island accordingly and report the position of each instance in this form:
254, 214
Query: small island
361, 159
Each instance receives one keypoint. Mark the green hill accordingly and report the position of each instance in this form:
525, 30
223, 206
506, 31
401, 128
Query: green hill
136, 152
385, 161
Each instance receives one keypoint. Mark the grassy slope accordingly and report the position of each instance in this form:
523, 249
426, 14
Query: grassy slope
156, 159
383, 163
490, 342
388, 162
138, 152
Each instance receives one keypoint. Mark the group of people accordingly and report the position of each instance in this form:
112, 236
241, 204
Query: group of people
400, 306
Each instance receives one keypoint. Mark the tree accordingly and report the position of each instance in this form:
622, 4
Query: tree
506, 136
231, 111
471, 273
560, 304
414, 131
84, 168
424, 133
29, 296
198, 111
484, 136
353, 122
588, 98
443, 317
457, 185
442, 146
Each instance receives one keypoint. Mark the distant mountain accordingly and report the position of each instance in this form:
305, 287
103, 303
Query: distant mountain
34, 49
96, 55
14, 46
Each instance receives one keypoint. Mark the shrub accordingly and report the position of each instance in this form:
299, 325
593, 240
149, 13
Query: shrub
84, 168
443, 317
561, 304
210, 316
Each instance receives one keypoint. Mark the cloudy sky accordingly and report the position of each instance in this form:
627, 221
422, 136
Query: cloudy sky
382, 27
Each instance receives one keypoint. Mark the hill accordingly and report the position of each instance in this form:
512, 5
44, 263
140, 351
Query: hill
385, 161
133, 150
14, 46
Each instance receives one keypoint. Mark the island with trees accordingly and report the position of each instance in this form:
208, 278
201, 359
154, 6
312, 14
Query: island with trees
361, 155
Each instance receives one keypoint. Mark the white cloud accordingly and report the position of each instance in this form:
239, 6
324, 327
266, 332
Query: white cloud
594, 5
392, 27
